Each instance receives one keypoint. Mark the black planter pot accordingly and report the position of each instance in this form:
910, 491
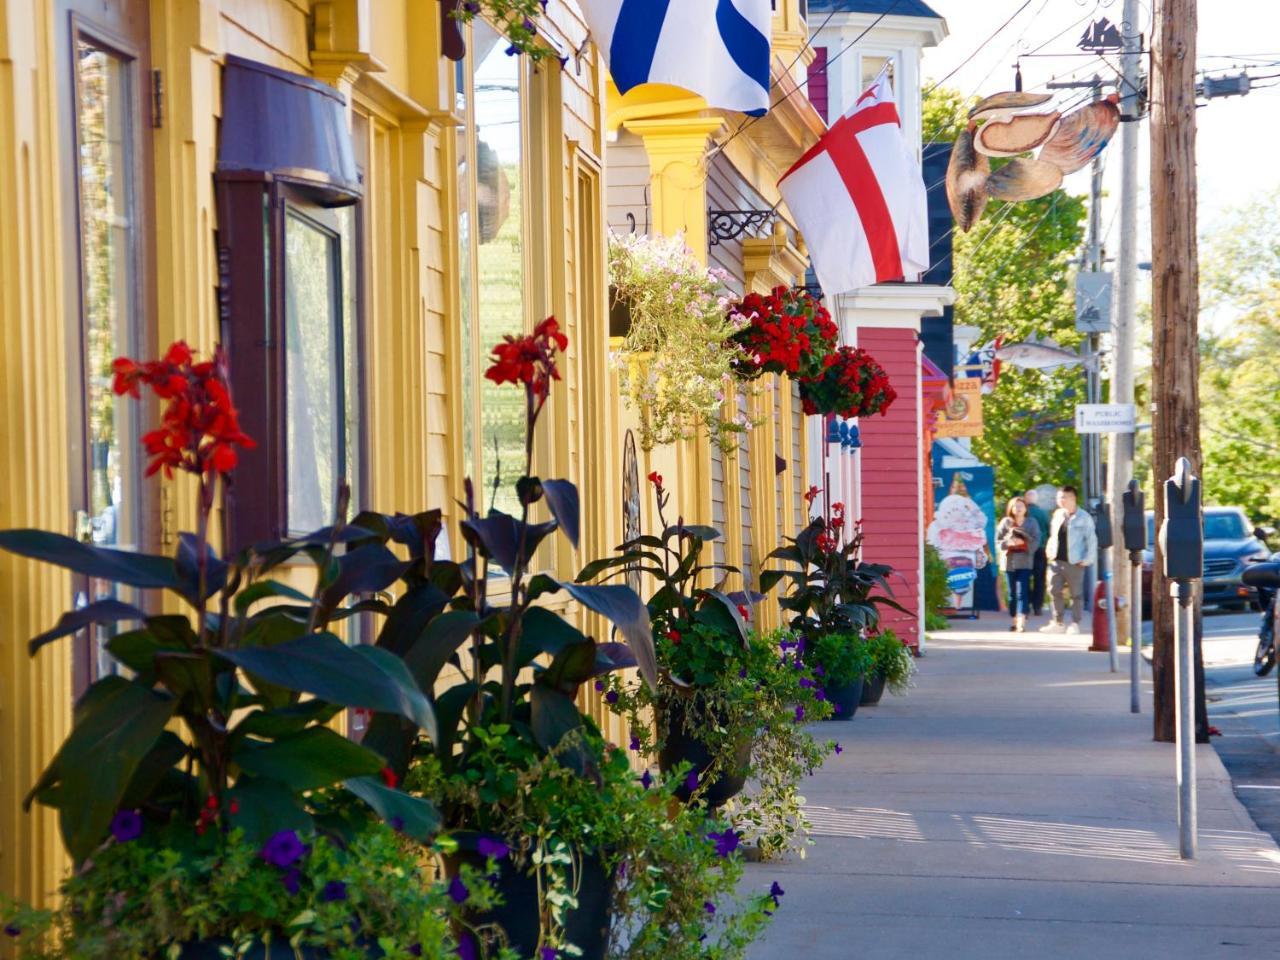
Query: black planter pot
872, 690
844, 700
680, 747
586, 926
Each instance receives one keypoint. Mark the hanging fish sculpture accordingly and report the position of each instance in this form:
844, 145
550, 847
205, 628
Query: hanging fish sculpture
1018, 135
1003, 106
1082, 135
966, 181
1038, 356
1024, 179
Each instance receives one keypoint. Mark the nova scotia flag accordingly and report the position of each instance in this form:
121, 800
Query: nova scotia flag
718, 49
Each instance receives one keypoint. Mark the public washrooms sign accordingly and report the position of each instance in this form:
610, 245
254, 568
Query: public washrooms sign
1106, 418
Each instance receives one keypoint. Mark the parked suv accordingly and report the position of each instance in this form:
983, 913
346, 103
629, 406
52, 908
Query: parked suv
1231, 545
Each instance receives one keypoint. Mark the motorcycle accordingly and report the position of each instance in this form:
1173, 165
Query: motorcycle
1265, 577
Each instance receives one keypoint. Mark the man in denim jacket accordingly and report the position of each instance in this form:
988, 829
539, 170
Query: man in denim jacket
1071, 547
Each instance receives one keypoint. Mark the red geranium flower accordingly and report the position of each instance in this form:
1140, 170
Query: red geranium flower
530, 360
788, 332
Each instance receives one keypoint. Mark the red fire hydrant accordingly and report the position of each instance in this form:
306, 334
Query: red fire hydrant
1101, 632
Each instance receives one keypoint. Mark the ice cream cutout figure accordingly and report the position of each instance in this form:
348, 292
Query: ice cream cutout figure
959, 533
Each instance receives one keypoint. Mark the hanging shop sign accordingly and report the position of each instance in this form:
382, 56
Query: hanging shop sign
962, 416
1106, 418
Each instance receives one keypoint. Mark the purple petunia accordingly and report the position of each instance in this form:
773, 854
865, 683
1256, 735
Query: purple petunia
776, 893
283, 849
333, 891
12, 930
710, 908
611, 697
599, 686
799, 713
415, 950
725, 842
126, 825
458, 891
691, 781
292, 879
646, 780
820, 695
818, 671
548, 953
491, 847
806, 683
466, 947
634, 745
839, 749
742, 673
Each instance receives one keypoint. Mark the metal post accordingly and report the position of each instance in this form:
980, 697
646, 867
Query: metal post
1182, 546
1135, 636
1122, 445
1184, 640
1104, 558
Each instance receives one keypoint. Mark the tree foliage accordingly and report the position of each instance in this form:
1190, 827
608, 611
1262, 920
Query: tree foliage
1013, 279
1239, 373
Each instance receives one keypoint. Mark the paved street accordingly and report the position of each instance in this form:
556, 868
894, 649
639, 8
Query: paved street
1012, 807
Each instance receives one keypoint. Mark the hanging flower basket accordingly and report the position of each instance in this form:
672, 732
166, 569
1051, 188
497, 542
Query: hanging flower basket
787, 332
517, 17
852, 385
673, 364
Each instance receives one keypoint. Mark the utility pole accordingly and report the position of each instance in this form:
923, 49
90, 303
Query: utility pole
1175, 305
1122, 344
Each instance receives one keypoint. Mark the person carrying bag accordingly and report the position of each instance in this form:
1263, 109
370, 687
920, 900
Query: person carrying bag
1017, 540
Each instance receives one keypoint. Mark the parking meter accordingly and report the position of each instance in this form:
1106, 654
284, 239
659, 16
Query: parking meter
1182, 533
1102, 525
1182, 544
1134, 519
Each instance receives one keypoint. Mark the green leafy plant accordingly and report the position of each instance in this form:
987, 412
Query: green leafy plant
839, 659
340, 896
677, 360
831, 587
891, 659
517, 19
937, 594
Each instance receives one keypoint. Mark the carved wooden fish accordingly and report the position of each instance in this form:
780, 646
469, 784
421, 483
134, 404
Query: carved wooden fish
966, 181
1024, 180
1021, 134
1082, 135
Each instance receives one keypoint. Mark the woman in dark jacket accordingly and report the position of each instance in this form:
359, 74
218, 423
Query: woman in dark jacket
1017, 539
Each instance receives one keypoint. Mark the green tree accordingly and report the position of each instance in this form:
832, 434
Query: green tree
1240, 361
1013, 280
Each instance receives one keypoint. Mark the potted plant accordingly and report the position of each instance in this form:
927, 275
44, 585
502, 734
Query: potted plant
210, 770
674, 364
788, 331
701, 637
843, 662
832, 599
852, 384
891, 665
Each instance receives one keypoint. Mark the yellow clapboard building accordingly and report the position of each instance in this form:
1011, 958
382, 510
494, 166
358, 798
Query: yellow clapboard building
358, 219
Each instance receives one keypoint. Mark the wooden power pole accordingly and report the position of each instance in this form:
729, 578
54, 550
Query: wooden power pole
1175, 301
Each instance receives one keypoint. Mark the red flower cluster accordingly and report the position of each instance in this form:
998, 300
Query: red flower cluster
837, 516
789, 331
531, 359
853, 385
656, 479
811, 495
200, 428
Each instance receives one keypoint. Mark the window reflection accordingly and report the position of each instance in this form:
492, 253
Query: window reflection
313, 375
499, 268
108, 278
107, 283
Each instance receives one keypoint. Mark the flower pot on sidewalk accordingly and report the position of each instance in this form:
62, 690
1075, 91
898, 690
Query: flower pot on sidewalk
586, 926
682, 747
844, 699
872, 690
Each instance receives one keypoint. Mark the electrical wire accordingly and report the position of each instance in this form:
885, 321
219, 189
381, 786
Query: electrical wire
965, 62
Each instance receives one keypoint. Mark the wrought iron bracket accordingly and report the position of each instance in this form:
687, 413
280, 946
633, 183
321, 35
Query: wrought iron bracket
726, 225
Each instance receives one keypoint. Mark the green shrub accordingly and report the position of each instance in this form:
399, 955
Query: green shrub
892, 659
839, 659
937, 595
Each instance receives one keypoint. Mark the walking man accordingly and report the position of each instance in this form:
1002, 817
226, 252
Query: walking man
1039, 563
1072, 547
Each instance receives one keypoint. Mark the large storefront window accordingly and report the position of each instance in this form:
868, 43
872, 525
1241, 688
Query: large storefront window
493, 258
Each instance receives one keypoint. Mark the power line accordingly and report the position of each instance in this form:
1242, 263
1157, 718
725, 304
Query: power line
967, 59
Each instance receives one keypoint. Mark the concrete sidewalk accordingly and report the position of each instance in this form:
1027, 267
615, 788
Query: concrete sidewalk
1012, 807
